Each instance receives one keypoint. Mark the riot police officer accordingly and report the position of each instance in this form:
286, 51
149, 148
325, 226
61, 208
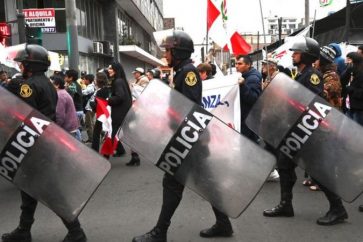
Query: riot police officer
178, 49
306, 52
37, 91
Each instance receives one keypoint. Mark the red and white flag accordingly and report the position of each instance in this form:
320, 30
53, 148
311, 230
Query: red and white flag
217, 29
103, 114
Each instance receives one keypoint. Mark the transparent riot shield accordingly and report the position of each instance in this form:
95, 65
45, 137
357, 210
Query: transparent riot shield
201, 151
307, 130
45, 161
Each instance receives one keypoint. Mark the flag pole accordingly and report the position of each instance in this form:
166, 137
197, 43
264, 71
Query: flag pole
264, 36
206, 36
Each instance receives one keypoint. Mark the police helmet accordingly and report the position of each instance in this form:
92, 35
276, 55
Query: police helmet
180, 43
309, 49
34, 58
327, 54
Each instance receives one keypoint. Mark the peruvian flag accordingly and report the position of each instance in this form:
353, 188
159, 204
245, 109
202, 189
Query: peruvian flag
218, 31
103, 114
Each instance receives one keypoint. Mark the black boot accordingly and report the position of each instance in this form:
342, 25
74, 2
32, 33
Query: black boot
75, 236
135, 160
333, 216
222, 227
75, 232
336, 213
17, 235
155, 235
283, 209
360, 208
216, 231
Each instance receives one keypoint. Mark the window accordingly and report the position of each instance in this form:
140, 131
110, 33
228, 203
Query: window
89, 19
125, 29
43, 4
54, 4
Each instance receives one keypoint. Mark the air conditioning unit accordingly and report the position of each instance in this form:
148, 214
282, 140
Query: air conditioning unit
98, 47
107, 48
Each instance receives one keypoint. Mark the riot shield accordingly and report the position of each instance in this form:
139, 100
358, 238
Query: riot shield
45, 161
200, 150
307, 130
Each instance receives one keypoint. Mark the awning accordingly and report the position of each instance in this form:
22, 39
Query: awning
140, 54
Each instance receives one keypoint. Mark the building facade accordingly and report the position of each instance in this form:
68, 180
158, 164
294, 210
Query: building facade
288, 26
108, 30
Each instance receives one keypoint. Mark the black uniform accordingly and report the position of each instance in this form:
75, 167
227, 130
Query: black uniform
311, 79
38, 92
188, 83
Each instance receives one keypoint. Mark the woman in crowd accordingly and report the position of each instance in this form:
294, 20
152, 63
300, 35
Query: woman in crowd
120, 99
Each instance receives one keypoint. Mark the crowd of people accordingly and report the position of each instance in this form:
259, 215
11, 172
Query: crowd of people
71, 101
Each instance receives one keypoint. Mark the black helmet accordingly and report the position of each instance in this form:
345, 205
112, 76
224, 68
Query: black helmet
327, 54
180, 44
309, 48
34, 58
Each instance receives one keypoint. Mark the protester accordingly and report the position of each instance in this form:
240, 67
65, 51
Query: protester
205, 71
137, 86
75, 90
87, 93
154, 74
66, 116
270, 70
250, 86
354, 89
338, 60
120, 99
103, 92
4, 79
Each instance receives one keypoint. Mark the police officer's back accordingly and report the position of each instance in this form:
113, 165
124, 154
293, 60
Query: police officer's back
178, 48
37, 90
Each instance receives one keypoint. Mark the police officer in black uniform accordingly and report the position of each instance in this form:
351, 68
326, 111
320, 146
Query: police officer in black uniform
178, 49
37, 91
306, 52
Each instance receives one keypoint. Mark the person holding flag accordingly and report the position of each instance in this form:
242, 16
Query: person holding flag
102, 93
120, 101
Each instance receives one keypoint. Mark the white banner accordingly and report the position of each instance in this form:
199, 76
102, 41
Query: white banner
221, 98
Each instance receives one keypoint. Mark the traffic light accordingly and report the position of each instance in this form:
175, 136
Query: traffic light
33, 35
5, 34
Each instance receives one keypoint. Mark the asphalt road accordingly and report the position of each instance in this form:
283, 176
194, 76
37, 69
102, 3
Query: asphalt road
129, 200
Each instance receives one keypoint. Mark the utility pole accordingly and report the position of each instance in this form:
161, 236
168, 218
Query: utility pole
307, 14
21, 22
72, 35
279, 21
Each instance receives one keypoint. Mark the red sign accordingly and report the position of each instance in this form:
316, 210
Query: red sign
5, 30
39, 13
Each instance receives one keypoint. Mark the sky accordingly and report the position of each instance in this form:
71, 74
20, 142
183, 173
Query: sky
243, 15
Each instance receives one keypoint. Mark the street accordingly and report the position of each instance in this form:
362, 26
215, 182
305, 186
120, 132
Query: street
129, 200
